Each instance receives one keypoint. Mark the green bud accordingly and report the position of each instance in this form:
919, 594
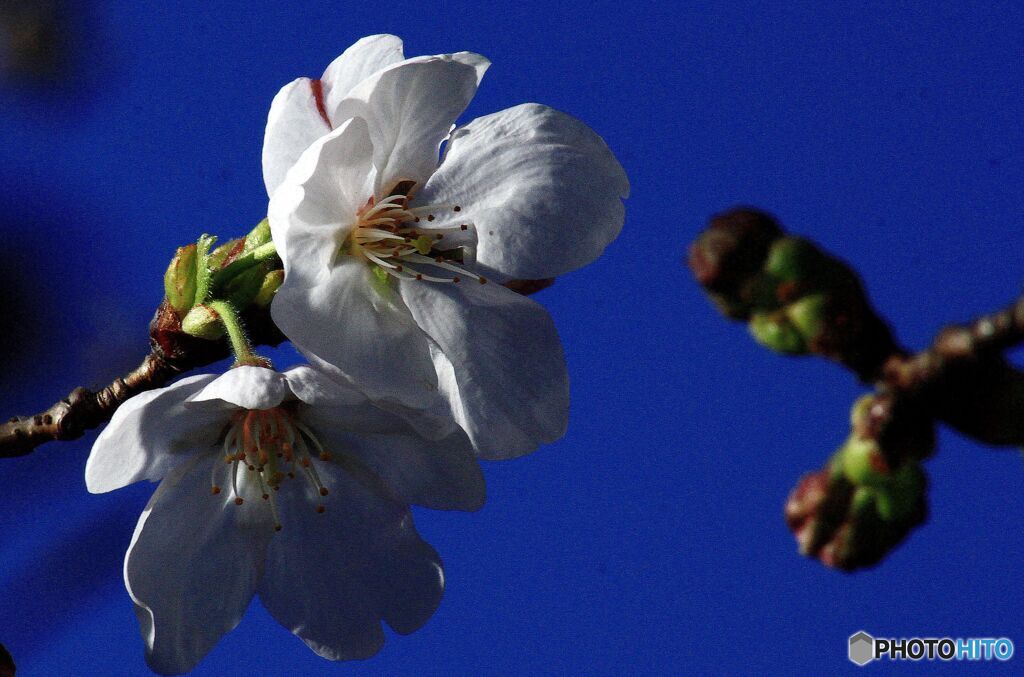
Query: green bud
863, 463
792, 259
776, 332
242, 289
203, 322
272, 281
906, 490
809, 316
898, 500
860, 409
259, 235
180, 279
220, 255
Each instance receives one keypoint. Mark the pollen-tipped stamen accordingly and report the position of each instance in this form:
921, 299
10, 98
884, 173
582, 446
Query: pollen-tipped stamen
386, 235
255, 441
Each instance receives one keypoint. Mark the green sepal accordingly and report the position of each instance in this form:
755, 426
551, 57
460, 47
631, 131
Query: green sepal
180, 279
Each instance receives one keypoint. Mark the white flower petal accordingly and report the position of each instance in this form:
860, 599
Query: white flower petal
315, 207
315, 388
244, 387
361, 332
542, 189
499, 361
294, 123
377, 447
410, 108
193, 566
358, 62
150, 434
332, 577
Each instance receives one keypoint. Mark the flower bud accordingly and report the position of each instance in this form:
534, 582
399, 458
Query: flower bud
902, 427
242, 289
272, 281
259, 235
225, 254
203, 322
776, 332
846, 526
730, 253
792, 259
180, 279
810, 317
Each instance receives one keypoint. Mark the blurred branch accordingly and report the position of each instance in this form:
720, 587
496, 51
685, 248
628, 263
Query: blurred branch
32, 39
7, 668
799, 300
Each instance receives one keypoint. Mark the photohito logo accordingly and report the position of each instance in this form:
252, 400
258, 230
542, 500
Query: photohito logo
863, 648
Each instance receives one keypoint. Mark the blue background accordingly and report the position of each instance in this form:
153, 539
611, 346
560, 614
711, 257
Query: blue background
650, 540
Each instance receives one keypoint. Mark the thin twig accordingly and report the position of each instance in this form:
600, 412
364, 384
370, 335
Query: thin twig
171, 353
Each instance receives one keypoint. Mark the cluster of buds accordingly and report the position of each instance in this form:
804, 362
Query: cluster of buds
232, 272
871, 493
795, 298
798, 300
212, 292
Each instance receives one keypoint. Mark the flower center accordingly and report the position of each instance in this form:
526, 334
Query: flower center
396, 238
268, 447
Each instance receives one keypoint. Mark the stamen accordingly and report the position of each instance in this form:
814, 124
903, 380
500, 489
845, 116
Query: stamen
442, 263
387, 236
234, 482
255, 440
263, 486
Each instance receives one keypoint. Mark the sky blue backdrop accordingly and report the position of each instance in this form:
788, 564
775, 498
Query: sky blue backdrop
650, 540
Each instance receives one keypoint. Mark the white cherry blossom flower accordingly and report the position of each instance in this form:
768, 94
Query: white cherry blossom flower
286, 485
394, 261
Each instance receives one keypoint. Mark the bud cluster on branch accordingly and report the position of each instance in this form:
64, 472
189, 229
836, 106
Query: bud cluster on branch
798, 300
173, 350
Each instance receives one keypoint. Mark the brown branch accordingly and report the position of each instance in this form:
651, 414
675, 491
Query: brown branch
171, 353
964, 380
7, 668
956, 346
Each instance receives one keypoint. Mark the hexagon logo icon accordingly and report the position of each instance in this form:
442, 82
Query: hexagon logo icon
862, 648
